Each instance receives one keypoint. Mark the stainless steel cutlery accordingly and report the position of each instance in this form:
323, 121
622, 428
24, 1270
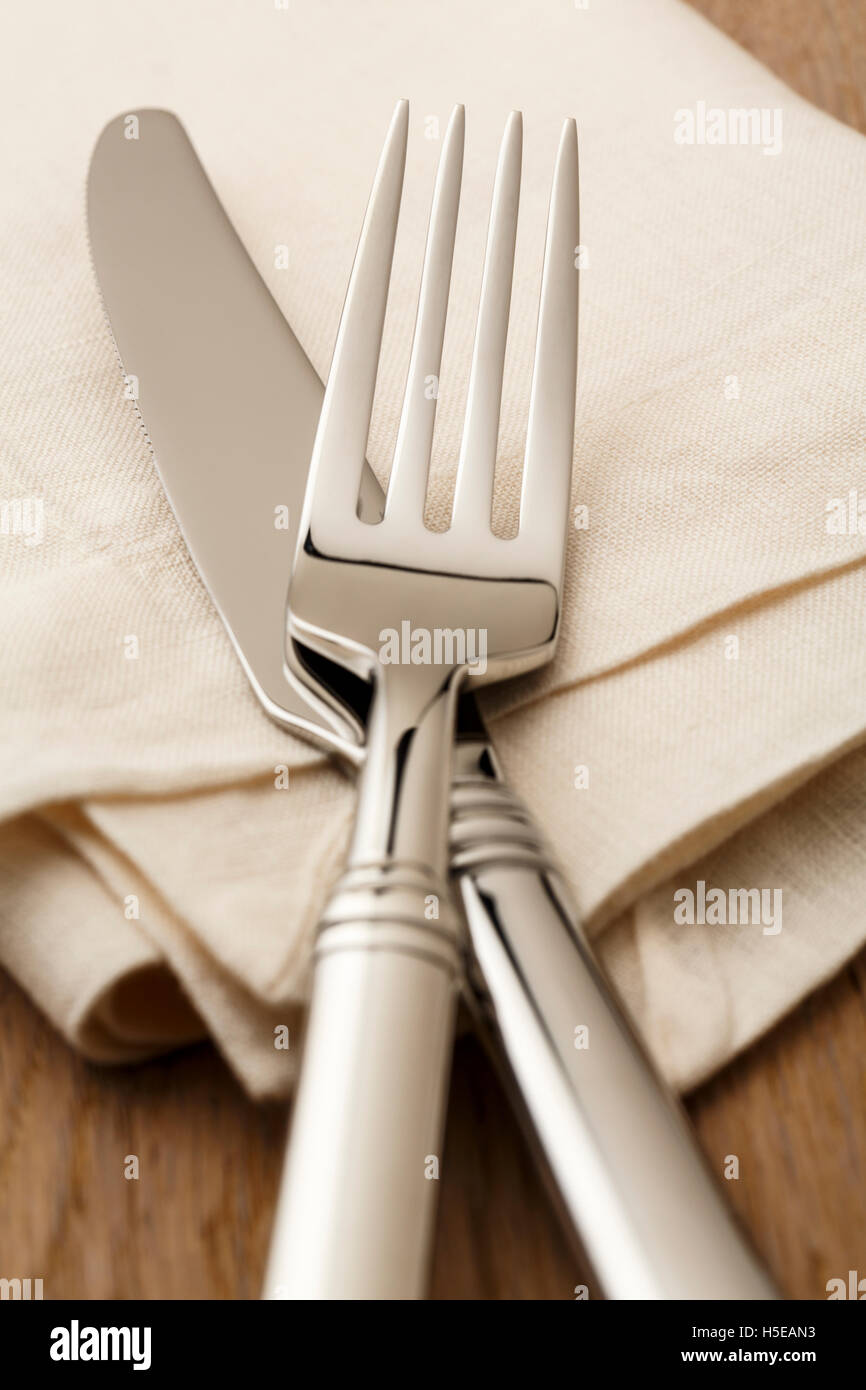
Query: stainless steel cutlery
231, 404
416, 614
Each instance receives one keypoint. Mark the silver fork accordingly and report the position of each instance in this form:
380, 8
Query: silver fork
417, 615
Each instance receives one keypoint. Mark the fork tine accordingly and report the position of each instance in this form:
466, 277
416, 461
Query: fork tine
408, 482
477, 465
344, 424
550, 428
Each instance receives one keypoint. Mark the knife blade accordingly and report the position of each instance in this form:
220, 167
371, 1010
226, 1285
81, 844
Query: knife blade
232, 425
231, 405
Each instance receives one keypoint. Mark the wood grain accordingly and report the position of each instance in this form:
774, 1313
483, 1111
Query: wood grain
195, 1223
819, 49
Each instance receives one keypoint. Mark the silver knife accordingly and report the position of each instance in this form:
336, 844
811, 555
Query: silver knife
231, 405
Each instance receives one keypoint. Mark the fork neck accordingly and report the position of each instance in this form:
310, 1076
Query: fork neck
403, 790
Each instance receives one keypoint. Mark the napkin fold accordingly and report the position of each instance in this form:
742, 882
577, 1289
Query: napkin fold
164, 849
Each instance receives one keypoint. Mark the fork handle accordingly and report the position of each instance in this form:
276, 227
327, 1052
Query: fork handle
355, 1214
648, 1212
356, 1210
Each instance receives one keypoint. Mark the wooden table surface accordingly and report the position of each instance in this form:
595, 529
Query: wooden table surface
196, 1224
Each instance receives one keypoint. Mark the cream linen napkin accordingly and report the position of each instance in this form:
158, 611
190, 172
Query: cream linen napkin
701, 723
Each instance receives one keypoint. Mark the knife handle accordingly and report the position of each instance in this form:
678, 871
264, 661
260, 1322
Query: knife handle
646, 1209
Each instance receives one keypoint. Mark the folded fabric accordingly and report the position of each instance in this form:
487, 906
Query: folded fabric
164, 849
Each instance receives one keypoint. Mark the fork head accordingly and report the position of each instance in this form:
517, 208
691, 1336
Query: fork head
465, 601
